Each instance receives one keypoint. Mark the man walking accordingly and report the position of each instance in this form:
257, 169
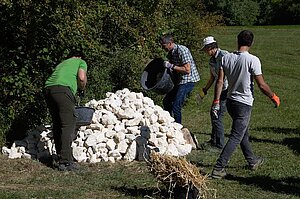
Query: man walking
240, 68
183, 68
210, 47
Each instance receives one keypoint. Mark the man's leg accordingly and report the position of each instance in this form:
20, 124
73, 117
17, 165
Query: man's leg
54, 112
240, 114
183, 91
169, 99
217, 136
66, 106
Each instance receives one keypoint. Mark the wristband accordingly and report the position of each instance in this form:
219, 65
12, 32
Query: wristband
216, 101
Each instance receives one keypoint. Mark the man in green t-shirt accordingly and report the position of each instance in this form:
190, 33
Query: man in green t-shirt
60, 89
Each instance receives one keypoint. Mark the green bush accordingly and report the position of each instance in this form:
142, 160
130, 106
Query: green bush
237, 12
256, 12
117, 37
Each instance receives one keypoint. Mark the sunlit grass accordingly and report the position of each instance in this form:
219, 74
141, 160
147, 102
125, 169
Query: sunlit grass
275, 135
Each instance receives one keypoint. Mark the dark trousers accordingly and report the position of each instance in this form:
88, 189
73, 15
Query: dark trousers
217, 131
240, 114
61, 104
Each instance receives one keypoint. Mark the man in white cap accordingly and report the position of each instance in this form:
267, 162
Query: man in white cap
210, 47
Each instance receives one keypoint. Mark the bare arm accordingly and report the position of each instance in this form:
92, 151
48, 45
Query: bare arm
82, 79
219, 85
185, 69
263, 86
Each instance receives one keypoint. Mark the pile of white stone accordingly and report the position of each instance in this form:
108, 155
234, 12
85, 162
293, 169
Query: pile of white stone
125, 126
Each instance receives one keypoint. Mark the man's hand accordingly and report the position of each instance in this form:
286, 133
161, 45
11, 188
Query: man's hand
81, 94
215, 109
275, 99
168, 65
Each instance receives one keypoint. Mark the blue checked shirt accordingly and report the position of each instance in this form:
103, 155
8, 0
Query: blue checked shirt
179, 56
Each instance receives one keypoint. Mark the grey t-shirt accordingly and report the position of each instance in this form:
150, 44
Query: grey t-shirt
239, 68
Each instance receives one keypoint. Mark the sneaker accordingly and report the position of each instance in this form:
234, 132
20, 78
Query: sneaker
259, 161
218, 174
68, 166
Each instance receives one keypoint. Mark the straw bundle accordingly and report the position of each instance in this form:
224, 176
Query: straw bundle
178, 172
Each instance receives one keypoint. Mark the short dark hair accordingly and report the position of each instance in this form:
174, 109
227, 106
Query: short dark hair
166, 38
245, 38
76, 53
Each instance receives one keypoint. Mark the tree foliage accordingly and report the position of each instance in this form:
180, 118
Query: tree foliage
256, 12
118, 38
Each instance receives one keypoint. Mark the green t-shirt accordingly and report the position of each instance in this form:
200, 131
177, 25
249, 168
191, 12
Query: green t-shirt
65, 74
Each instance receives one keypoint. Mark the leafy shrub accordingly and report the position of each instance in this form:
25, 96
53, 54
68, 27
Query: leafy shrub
117, 37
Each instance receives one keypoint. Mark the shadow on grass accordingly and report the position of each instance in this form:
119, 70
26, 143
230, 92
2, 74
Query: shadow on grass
292, 143
279, 130
289, 185
142, 192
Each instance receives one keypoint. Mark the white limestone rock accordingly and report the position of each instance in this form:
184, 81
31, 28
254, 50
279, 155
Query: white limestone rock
125, 125
131, 152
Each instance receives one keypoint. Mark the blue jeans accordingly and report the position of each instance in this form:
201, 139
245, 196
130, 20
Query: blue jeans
217, 133
174, 100
240, 114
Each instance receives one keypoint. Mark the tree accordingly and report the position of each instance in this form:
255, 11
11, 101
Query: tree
117, 36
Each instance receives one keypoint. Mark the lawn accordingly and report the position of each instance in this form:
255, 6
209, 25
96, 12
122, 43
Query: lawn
274, 133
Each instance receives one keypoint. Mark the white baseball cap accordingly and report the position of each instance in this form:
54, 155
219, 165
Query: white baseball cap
208, 40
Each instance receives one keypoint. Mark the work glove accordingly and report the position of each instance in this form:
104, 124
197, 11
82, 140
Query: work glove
81, 94
168, 65
215, 109
275, 99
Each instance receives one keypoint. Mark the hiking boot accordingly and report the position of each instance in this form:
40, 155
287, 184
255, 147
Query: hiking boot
259, 161
218, 174
68, 166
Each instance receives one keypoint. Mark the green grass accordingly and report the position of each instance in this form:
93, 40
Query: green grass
275, 135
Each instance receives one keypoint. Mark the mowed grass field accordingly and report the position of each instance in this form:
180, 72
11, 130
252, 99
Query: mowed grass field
274, 133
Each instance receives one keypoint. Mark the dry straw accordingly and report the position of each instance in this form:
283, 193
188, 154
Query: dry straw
178, 171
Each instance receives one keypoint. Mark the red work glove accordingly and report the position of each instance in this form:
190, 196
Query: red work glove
275, 99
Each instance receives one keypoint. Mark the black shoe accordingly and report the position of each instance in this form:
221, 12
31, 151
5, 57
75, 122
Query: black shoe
55, 160
68, 166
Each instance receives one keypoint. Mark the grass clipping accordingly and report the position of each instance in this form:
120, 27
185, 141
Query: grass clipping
178, 171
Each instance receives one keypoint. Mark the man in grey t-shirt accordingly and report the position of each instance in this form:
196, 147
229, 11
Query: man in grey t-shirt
240, 68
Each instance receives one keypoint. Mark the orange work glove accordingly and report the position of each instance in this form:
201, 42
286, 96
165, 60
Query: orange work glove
275, 99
